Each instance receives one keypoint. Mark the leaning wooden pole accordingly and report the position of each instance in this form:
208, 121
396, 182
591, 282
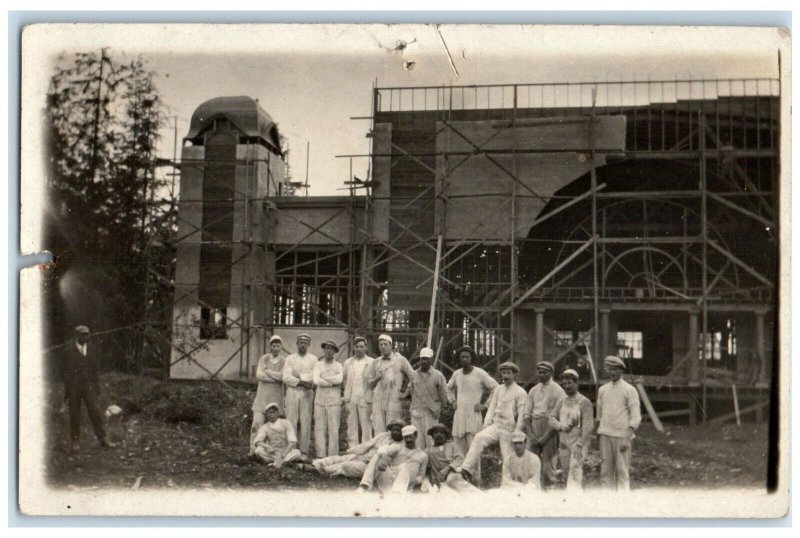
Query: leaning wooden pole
736, 405
649, 407
435, 290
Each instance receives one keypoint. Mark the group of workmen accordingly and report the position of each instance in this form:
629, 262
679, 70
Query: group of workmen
543, 435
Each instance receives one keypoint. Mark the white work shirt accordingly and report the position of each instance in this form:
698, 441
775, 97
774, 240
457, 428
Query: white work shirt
543, 398
328, 377
354, 390
297, 368
81, 348
506, 407
617, 409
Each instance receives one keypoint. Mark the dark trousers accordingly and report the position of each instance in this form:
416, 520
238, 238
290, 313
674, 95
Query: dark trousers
75, 396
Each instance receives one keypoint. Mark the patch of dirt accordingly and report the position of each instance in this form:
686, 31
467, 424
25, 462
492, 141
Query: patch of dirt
196, 436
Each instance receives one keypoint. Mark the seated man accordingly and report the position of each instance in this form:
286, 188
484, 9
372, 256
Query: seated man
503, 418
276, 443
522, 468
354, 462
398, 467
444, 457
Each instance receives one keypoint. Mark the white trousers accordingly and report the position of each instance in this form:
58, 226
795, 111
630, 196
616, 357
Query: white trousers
299, 404
358, 416
326, 429
490, 435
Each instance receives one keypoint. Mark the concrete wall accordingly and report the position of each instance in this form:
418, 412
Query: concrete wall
382, 175
190, 209
252, 266
209, 356
542, 174
296, 219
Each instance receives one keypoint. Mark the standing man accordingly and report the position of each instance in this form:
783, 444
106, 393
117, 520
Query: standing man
298, 372
276, 443
327, 377
385, 379
618, 415
428, 391
397, 467
542, 439
522, 468
503, 418
466, 390
81, 375
269, 374
444, 457
573, 419
357, 395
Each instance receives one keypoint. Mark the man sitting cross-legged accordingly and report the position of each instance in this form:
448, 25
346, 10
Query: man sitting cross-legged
275, 442
522, 468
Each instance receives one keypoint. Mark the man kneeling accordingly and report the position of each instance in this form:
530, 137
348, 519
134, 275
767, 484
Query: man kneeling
354, 462
444, 457
398, 467
276, 443
522, 468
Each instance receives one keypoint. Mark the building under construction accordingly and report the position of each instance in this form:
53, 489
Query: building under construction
559, 222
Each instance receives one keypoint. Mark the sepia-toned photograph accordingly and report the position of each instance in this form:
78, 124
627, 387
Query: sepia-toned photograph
404, 271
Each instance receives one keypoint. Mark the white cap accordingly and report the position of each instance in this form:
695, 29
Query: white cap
518, 437
570, 372
275, 338
408, 430
385, 337
426, 352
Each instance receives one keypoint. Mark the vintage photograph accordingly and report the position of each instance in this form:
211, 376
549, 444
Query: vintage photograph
405, 271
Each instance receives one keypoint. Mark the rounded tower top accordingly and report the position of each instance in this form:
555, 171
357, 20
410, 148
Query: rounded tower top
243, 112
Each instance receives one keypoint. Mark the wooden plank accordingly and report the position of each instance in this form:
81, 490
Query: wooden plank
649, 406
435, 289
749, 409
438, 352
674, 413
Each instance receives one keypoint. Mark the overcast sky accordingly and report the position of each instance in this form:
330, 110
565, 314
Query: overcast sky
311, 79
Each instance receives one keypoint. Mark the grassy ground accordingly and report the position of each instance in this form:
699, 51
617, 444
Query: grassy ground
191, 436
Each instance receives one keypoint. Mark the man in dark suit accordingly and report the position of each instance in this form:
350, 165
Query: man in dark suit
81, 376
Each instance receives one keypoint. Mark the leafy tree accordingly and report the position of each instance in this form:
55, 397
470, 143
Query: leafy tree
103, 123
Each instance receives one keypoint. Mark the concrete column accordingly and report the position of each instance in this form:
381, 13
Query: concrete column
694, 359
539, 334
604, 344
761, 354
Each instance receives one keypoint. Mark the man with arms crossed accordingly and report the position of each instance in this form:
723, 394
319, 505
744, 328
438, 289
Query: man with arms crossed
298, 373
327, 377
